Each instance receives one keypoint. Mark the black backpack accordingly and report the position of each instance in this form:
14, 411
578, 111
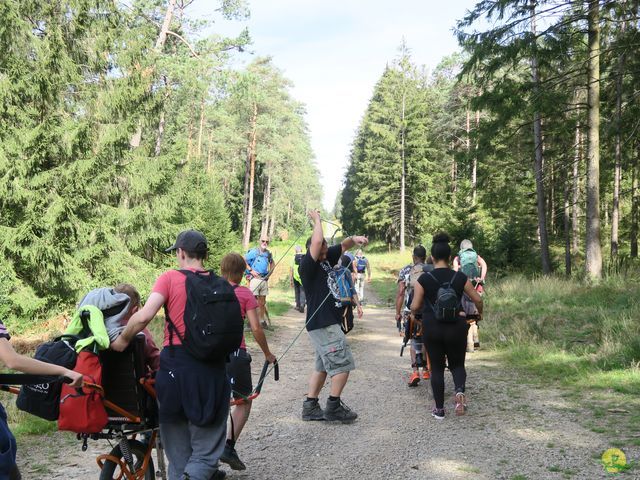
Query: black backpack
212, 318
447, 304
43, 400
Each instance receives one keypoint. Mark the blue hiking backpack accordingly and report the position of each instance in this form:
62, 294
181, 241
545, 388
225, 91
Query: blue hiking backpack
345, 286
361, 264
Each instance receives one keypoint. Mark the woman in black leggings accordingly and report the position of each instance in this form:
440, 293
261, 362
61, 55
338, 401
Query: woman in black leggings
444, 339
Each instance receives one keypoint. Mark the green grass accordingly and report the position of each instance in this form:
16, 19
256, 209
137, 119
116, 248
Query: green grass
21, 423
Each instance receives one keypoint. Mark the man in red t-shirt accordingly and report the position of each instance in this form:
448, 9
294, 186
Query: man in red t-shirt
193, 396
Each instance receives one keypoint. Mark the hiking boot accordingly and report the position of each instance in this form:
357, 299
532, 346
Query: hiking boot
438, 413
426, 375
460, 401
311, 410
414, 379
219, 475
337, 411
231, 458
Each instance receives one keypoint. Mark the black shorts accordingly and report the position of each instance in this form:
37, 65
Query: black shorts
239, 373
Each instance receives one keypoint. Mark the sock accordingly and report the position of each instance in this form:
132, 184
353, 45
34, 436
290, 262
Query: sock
311, 399
333, 399
231, 443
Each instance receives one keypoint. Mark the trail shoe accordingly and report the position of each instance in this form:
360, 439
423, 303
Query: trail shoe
438, 413
426, 375
414, 379
461, 404
231, 458
311, 410
337, 411
219, 475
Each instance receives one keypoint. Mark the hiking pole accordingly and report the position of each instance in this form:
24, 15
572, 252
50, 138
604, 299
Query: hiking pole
258, 389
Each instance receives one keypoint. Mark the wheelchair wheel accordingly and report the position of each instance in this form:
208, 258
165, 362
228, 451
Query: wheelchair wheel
111, 470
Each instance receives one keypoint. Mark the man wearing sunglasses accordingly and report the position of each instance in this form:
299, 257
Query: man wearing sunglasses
259, 267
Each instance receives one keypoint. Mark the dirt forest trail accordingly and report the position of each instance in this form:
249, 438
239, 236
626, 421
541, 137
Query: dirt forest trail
511, 431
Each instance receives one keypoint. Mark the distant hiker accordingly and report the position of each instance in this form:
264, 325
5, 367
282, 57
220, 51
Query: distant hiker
362, 267
192, 386
437, 295
324, 316
348, 294
151, 351
475, 268
21, 363
294, 279
410, 324
259, 266
232, 267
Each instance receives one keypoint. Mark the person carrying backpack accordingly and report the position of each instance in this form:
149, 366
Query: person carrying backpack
21, 363
412, 326
475, 268
437, 296
362, 267
203, 326
332, 354
259, 266
294, 280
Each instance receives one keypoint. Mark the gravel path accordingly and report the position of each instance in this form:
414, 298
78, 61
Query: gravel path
512, 430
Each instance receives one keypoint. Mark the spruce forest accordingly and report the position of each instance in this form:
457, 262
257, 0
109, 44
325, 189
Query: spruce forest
526, 141
123, 123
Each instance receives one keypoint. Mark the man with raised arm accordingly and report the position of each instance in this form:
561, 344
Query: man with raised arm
332, 352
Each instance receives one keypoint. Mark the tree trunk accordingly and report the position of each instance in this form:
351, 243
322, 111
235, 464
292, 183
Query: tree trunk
162, 36
209, 150
567, 230
266, 205
617, 171
454, 174
251, 154
161, 120
633, 240
160, 41
245, 197
474, 169
575, 226
539, 160
404, 171
200, 130
593, 250
189, 139
272, 226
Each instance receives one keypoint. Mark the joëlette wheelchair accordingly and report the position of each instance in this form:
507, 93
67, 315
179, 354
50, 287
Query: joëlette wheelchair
130, 400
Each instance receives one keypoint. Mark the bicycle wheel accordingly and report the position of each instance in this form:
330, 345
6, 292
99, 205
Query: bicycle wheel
111, 470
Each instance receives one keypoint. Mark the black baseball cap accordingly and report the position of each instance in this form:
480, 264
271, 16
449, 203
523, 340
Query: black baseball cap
191, 241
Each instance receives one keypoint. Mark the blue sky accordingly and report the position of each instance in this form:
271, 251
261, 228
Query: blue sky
334, 51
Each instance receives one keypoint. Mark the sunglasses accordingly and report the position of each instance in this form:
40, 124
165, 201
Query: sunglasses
266, 242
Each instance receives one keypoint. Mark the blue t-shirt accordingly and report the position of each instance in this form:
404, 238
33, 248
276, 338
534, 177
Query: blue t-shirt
259, 261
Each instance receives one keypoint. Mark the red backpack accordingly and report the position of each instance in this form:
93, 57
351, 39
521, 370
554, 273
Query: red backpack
84, 412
